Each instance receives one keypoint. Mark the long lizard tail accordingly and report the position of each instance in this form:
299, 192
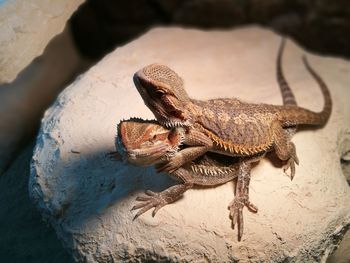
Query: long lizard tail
293, 115
287, 94
327, 108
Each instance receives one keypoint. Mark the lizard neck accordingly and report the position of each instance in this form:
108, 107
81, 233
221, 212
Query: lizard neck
194, 110
189, 113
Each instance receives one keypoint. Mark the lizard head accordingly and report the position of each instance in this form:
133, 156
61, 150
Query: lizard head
163, 93
146, 142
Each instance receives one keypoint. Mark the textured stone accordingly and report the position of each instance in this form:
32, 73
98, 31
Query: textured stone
87, 197
24, 236
26, 27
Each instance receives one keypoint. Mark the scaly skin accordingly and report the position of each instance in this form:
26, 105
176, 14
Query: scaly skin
236, 128
146, 143
138, 141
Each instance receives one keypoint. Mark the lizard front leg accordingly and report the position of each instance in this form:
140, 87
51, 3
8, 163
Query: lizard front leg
198, 143
158, 200
285, 149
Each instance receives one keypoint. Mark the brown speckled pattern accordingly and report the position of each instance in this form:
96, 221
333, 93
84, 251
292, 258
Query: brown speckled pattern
233, 127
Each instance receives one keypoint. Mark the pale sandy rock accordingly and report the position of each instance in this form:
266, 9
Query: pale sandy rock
26, 27
87, 197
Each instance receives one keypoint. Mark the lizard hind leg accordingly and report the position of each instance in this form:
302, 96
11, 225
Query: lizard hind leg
285, 149
242, 198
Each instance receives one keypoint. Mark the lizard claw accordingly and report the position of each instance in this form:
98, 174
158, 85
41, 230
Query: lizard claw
291, 164
236, 212
147, 201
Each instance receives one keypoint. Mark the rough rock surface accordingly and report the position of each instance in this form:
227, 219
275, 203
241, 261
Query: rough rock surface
87, 197
24, 236
26, 27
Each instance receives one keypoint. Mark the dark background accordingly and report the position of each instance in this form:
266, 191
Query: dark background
321, 26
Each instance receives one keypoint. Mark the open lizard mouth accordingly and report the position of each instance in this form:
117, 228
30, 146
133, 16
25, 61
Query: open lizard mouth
146, 142
156, 153
144, 155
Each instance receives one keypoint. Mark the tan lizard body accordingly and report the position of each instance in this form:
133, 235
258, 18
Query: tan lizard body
228, 126
235, 128
146, 143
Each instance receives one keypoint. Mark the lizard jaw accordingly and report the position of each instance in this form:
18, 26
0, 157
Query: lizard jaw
147, 157
150, 102
141, 143
175, 146
175, 123
162, 104
158, 152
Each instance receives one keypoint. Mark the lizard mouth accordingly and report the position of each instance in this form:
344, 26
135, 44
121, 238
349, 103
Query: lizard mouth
149, 155
146, 156
160, 102
145, 143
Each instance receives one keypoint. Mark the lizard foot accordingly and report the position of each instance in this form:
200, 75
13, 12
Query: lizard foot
236, 212
148, 200
291, 164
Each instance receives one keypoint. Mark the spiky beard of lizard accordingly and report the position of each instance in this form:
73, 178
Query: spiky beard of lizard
176, 146
168, 113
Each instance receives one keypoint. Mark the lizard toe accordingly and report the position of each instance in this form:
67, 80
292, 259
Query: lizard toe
290, 165
236, 212
251, 207
147, 201
236, 215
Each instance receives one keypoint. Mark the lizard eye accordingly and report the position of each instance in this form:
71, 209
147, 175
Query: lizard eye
154, 137
159, 93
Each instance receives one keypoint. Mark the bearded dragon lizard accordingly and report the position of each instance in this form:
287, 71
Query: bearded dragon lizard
145, 143
235, 128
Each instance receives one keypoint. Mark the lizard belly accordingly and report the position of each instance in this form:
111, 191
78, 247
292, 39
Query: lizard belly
212, 169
